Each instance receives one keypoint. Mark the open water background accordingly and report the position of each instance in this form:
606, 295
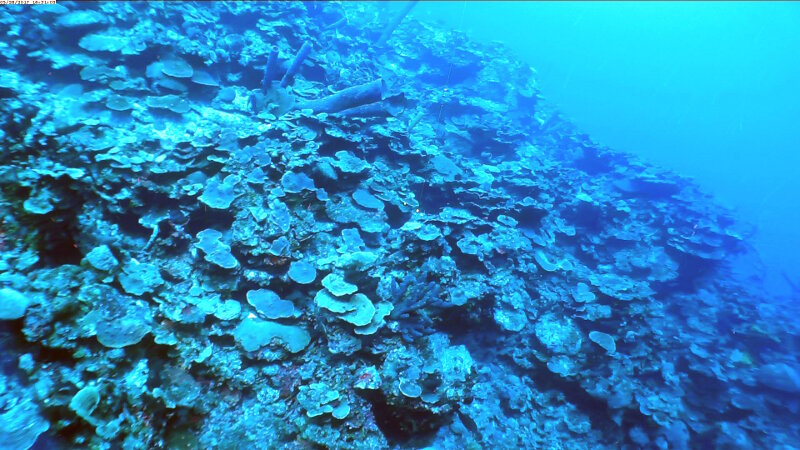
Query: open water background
708, 89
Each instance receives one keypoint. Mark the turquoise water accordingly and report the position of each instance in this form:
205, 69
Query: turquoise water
709, 89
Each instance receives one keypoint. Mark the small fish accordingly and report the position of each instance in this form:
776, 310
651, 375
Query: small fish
471, 425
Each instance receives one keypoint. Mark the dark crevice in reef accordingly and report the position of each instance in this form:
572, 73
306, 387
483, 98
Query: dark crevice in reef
203, 218
58, 247
11, 345
61, 356
342, 182
586, 216
156, 200
469, 263
691, 270
530, 219
473, 328
433, 198
22, 120
56, 244
159, 355
223, 341
596, 409
593, 163
402, 426
395, 216
332, 145
452, 77
129, 223
50, 441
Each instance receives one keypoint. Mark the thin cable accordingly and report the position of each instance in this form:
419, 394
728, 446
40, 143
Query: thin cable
450, 70
460, 26
447, 86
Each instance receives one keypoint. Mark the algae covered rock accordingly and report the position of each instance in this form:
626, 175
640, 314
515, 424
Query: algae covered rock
318, 399
140, 278
510, 313
180, 389
122, 332
80, 18
118, 320
101, 258
558, 334
40, 202
169, 102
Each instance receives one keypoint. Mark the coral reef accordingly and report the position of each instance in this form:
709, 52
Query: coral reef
197, 256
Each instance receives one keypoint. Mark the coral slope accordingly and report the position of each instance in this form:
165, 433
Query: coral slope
245, 225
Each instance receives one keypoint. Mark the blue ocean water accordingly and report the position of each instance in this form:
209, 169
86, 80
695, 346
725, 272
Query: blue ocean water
708, 89
392, 225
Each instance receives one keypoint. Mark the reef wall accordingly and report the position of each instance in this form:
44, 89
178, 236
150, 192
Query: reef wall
346, 245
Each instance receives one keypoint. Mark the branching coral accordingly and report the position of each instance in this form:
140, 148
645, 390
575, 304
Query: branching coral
414, 301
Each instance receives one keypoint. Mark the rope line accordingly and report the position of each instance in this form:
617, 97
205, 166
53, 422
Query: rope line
450, 69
